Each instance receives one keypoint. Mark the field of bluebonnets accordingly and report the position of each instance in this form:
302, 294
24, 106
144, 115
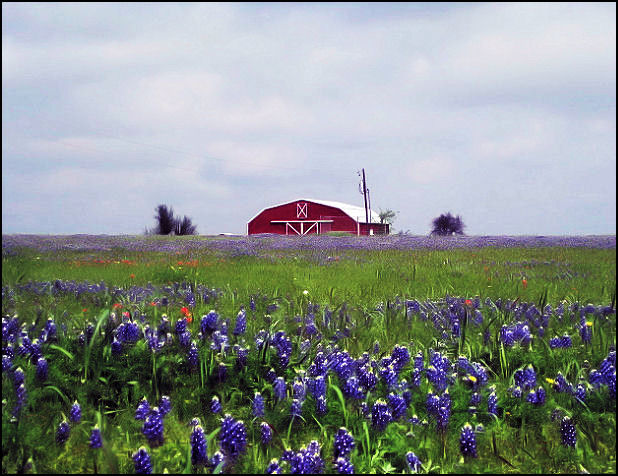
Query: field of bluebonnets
325, 354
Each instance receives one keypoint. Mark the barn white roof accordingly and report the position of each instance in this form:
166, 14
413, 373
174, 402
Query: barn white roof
356, 213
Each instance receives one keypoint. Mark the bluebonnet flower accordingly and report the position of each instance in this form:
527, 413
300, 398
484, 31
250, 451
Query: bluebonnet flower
296, 408
215, 405
376, 347
41, 369
143, 408
222, 373
307, 460
389, 375
492, 402
241, 357
442, 417
89, 332
380, 415
193, 357
568, 433
367, 378
141, 461
317, 387
432, 403
7, 362
414, 463
525, 378
565, 341
258, 405
194, 422
475, 399
233, 437
273, 467
181, 326
220, 342
561, 384
271, 375
298, 389
283, 344
321, 407
279, 388
580, 392
585, 331
555, 343
21, 396
516, 391
199, 446
241, 323
165, 405
18, 377
217, 459
344, 466
116, 347
536, 397
467, 441
153, 428
95, 438
75, 414
62, 433
400, 358
397, 405
209, 323
266, 433
352, 389
343, 444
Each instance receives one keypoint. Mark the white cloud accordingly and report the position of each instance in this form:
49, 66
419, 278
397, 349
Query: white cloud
210, 99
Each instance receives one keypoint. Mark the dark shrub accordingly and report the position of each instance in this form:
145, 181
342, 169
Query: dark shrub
447, 224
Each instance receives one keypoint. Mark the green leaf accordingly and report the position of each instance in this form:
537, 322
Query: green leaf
64, 351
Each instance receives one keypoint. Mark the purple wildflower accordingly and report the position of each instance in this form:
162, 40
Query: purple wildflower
95, 438
62, 433
199, 454
75, 414
467, 441
141, 460
343, 444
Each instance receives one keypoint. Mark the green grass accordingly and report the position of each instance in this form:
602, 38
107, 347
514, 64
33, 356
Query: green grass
362, 289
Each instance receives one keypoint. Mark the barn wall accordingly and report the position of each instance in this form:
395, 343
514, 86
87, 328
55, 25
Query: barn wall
315, 211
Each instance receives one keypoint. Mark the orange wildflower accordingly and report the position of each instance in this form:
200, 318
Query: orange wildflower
524, 281
132, 276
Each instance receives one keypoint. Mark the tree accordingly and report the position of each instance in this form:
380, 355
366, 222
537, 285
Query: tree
447, 224
185, 227
387, 216
167, 224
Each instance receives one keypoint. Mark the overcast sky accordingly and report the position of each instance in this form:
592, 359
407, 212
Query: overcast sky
504, 114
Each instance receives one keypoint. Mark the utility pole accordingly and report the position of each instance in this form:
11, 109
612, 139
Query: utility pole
365, 197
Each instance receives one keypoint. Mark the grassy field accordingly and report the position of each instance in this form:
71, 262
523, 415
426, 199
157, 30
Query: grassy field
338, 303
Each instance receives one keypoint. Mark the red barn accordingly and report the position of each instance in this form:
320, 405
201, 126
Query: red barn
307, 216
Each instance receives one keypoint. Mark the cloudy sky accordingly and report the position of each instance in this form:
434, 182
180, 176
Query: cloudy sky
504, 114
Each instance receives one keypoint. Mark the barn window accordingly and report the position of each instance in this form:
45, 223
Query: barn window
301, 210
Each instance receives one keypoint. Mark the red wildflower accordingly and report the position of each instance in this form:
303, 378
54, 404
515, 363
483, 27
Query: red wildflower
468, 302
153, 303
524, 282
117, 305
84, 310
132, 276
